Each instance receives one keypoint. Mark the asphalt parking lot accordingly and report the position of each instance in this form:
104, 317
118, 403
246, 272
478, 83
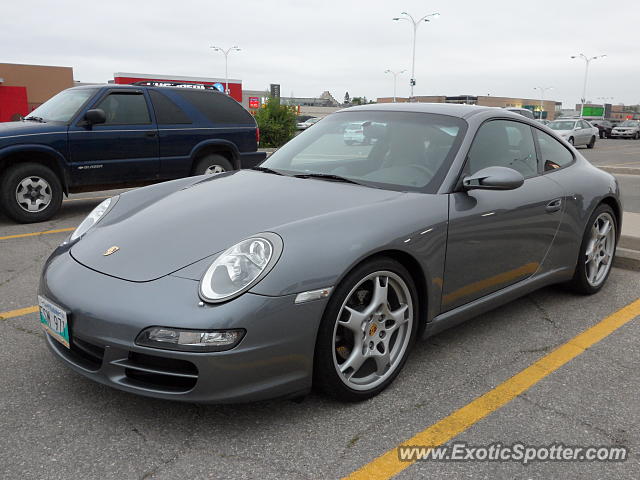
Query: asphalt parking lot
58, 425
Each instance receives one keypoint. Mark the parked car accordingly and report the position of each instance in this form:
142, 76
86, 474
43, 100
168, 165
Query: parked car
627, 129
575, 131
543, 121
94, 138
307, 123
521, 111
604, 127
321, 267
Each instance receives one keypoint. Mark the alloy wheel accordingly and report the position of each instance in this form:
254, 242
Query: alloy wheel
33, 194
373, 330
214, 170
600, 249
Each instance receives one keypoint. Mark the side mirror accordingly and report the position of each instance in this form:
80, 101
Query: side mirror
494, 178
95, 115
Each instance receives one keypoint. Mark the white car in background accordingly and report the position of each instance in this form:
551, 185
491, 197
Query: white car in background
627, 129
576, 131
307, 123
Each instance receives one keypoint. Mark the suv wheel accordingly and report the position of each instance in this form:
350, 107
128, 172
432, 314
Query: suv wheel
212, 164
30, 192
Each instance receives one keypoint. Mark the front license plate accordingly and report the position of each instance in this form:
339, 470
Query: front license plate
54, 320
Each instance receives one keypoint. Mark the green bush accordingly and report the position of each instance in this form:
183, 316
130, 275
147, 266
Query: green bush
277, 123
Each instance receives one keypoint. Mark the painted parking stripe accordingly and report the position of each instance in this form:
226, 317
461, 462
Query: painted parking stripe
33, 234
18, 313
388, 464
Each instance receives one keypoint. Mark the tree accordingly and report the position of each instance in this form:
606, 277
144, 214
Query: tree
277, 123
347, 99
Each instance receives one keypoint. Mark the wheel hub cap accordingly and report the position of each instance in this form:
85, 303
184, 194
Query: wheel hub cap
214, 170
33, 194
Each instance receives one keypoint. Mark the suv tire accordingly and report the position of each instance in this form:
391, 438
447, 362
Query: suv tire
212, 164
30, 192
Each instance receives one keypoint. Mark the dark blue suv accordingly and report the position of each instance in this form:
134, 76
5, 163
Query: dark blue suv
115, 136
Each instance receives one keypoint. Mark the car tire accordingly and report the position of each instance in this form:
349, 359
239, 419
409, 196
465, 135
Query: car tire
598, 248
348, 142
374, 333
636, 136
212, 164
592, 142
570, 140
30, 192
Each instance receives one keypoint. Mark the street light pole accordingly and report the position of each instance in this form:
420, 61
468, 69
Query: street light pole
226, 58
415, 23
587, 61
542, 90
395, 78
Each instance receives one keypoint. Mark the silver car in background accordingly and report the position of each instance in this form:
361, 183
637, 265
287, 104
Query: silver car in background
576, 131
627, 129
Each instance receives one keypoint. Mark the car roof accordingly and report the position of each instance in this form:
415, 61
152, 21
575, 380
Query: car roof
131, 86
452, 109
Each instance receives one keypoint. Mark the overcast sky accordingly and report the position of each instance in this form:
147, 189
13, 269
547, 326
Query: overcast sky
504, 48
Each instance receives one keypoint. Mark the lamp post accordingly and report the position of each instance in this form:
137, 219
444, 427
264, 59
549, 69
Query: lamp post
604, 101
542, 90
226, 58
395, 78
415, 23
587, 61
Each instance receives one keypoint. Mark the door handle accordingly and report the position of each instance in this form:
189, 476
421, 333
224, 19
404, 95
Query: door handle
151, 133
554, 205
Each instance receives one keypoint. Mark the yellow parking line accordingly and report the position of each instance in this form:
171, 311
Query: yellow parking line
388, 464
33, 234
18, 313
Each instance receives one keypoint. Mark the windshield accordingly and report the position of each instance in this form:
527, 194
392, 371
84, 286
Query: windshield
394, 150
561, 125
629, 123
63, 106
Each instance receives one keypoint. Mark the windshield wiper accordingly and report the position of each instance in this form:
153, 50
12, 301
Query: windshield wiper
35, 119
328, 176
267, 170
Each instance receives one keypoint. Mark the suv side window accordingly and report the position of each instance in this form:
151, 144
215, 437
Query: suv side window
217, 107
167, 112
554, 154
504, 143
125, 109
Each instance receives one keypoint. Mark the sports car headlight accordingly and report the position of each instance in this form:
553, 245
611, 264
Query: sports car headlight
240, 267
93, 218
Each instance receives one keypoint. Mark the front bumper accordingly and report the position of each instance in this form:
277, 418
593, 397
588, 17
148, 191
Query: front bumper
622, 134
274, 359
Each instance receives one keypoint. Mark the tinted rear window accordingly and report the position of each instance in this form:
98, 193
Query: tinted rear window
217, 107
167, 112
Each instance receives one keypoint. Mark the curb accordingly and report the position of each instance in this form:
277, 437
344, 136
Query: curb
627, 258
621, 170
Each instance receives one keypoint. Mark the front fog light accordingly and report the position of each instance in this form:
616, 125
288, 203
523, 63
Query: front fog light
190, 340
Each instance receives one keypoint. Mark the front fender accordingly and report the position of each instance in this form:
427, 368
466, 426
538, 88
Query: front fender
59, 162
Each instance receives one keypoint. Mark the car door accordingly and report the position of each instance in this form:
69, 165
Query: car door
497, 238
123, 149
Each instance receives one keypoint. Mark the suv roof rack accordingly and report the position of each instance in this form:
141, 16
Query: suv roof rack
158, 83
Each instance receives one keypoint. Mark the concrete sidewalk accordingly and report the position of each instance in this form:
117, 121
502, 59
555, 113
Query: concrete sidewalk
628, 251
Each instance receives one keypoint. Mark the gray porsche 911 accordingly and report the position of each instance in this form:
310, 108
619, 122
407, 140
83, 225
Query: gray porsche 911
322, 266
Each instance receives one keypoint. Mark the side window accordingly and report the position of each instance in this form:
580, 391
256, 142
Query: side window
217, 107
554, 154
167, 112
125, 109
504, 143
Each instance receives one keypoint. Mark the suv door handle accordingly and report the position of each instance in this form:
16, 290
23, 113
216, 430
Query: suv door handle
554, 205
151, 133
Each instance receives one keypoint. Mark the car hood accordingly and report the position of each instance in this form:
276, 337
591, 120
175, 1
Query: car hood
158, 236
8, 129
563, 132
